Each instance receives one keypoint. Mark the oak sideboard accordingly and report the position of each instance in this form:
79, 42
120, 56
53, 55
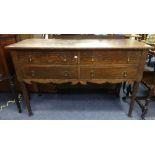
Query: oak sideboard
79, 61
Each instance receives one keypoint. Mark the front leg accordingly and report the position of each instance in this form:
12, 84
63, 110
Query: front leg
15, 94
147, 102
133, 97
26, 98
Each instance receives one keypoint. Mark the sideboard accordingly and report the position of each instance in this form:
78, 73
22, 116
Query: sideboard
79, 61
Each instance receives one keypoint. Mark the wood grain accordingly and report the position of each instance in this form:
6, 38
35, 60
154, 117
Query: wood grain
79, 44
79, 61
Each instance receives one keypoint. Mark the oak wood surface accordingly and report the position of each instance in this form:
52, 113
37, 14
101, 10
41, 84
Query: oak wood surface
79, 44
79, 61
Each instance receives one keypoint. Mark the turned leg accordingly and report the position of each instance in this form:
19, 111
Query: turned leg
15, 95
145, 108
147, 103
133, 97
26, 97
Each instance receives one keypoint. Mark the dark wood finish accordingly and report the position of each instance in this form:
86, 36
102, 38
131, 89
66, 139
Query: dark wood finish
148, 81
6, 69
109, 57
6, 39
26, 97
147, 99
54, 58
41, 72
5, 61
24, 36
34, 87
133, 97
108, 72
95, 61
14, 94
87, 36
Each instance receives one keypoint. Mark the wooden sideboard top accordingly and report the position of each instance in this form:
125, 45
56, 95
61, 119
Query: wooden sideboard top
79, 44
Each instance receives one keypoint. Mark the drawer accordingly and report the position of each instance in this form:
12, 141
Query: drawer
49, 72
108, 73
53, 58
109, 57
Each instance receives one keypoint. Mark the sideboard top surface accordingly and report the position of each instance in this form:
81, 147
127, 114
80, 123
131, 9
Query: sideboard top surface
79, 44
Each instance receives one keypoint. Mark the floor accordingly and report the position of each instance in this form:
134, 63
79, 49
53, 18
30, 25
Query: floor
95, 105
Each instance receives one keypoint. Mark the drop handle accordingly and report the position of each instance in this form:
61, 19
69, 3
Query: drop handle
30, 59
75, 57
33, 73
65, 59
128, 59
66, 73
125, 74
92, 59
92, 74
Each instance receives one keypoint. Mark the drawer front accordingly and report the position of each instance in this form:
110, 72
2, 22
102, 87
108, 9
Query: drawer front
49, 72
53, 58
108, 73
109, 57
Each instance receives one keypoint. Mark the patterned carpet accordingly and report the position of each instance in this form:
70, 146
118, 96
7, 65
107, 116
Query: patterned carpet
95, 105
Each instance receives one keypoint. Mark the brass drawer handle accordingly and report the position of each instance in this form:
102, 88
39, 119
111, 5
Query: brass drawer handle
125, 74
65, 59
128, 59
66, 74
92, 59
92, 74
75, 57
30, 59
33, 73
